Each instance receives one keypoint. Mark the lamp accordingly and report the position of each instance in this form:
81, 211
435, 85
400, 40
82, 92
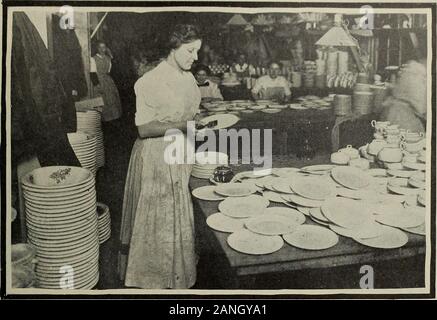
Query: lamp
237, 20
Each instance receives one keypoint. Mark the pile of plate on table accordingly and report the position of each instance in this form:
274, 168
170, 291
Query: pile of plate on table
61, 221
84, 146
313, 102
238, 107
90, 122
104, 222
207, 162
341, 200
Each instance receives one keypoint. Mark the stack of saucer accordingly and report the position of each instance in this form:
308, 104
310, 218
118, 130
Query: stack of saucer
84, 146
90, 122
207, 162
103, 222
61, 220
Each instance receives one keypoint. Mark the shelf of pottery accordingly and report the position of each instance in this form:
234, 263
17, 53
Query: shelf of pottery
65, 227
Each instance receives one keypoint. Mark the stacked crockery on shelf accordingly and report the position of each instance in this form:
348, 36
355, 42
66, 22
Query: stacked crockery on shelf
90, 122
104, 222
84, 146
207, 162
61, 223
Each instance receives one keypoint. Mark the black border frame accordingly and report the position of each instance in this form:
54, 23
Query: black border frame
183, 297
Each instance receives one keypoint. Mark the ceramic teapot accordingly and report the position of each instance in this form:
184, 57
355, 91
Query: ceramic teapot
360, 163
412, 137
350, 151
413, 147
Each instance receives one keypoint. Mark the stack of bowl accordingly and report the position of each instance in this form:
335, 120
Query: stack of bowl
90, 122
61, 220
84, 146
103, 222
207, 162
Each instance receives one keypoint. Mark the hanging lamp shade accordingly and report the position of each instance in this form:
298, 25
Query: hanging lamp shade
336, 36
237, 20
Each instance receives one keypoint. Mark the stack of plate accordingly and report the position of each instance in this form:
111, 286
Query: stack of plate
84, 146
207, 162
61, 221
103, 222
90, 122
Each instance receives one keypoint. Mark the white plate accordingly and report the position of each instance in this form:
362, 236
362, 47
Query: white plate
235, 189
281, 185
301, 201
257, 107
207, 193
273, 196
401, 173
317, 213
370, 230
351, 177
222, 223
401, 219
45, 178
311, 237
271, 110
347, 213
421, 199
318, 167
403, 190
390, 238
312, 188
414, 165
223, 120
271, 225
357, 194
243, 207
304, 210
377, 172
420, 230
248, 242
288, 213
60, 203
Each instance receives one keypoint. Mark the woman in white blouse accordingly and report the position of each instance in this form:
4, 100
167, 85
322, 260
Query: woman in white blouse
157, 233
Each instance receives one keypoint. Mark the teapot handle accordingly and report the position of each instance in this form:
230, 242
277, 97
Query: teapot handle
349, 146
373, 123
422, 134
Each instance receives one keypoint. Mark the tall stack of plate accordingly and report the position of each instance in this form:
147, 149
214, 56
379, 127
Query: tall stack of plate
103, 222
84, 146
207, 162
61, 220
90, 122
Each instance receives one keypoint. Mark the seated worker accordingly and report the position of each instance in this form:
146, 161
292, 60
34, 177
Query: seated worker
208, 89
272, 86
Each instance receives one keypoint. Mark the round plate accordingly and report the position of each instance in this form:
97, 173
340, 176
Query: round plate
271, 225
243, 207
311, 237
403, 190
312, 188
317, 213
281, 185
401, 173
351, 177
389, 239
288, 213
416, 183
301, 201
235, 189
271, 110
347, 213
222, 223
304, 210
420, 230
377, 172
223, 120
318, 167
401, 219
357, 194
207, 193
248, 242
421, 198
370, 230
273, 196
414, 165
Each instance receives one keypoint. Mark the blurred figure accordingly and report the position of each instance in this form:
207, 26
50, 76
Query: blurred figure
208, 89
272, 86
241, 67
407, 106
